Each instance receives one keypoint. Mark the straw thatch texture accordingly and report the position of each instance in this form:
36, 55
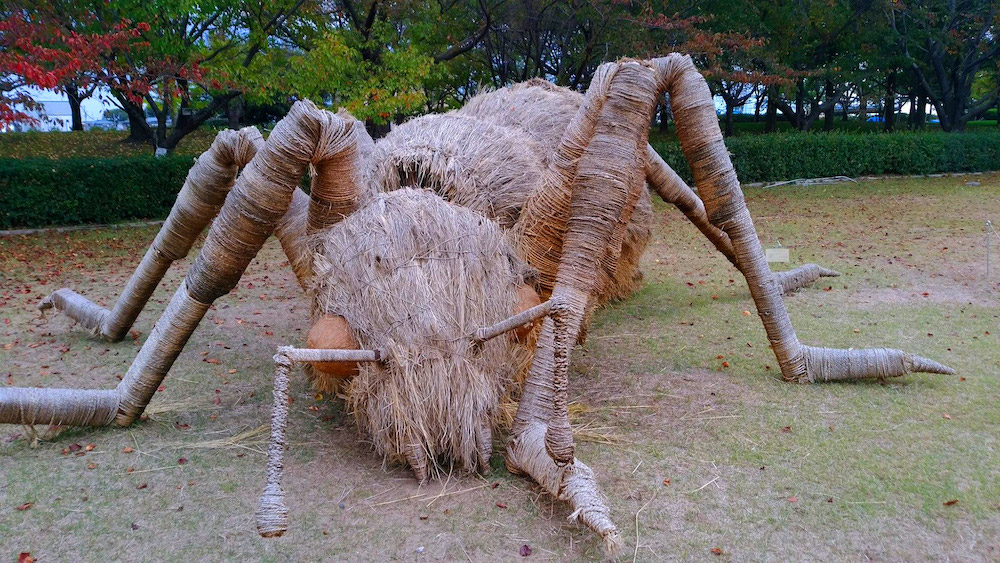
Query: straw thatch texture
415, 277
492, 155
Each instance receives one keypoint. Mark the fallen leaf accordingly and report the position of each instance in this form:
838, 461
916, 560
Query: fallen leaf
501, 505
25, 506
25, 557
725, 364
946, 416
135, 526
716, 551
142, 486
793, 499
91, 465
525, 550
134, 334
182, 461
423, 517
666, 482
75, 447
127, 450
951, 502
786, 429
90, 447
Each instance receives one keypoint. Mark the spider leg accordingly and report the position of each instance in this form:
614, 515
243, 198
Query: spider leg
257, 202
672, 189
204, 191
703, 146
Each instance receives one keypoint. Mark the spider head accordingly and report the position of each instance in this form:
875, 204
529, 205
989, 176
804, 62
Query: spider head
414, 277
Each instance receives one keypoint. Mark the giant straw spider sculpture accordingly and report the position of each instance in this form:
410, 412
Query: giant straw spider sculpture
430, 254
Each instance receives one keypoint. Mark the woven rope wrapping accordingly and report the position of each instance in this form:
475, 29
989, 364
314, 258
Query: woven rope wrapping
272, 514
573, 483
339, 162
559, 434
796, 278
199, 200
703, 146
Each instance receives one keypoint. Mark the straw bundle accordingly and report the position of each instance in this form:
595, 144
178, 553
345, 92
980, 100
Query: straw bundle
415, 276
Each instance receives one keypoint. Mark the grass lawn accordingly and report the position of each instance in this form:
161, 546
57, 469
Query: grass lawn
702, 457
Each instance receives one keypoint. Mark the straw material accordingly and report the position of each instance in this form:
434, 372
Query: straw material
202, 195
415, 277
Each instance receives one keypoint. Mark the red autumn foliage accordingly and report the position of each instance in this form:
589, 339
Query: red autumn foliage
40, 53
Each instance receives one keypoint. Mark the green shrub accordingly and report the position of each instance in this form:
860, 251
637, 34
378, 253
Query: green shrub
38, 192
770, 158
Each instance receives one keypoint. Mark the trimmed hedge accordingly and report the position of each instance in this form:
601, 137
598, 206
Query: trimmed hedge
776, 157
42, 192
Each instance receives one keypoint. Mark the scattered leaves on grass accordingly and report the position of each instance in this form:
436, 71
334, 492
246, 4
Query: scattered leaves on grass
25, 557
25, 506
951, 502
90, 447
75, 447
716, 551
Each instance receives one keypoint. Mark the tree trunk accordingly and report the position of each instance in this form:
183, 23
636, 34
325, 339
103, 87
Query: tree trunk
829, 115
137, 129
845, 110
771, 118
800, 95
74, 108
664, 117
862, 107
756, 107
730, 127
921, 109
234, 112
377, 130
890, 101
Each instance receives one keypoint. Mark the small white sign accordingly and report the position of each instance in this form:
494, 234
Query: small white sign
776, 254
160, 151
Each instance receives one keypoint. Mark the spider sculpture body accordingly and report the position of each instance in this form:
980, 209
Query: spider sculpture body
422, 254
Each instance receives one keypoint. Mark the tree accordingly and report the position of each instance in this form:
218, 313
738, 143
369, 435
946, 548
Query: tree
36, 51
945, 44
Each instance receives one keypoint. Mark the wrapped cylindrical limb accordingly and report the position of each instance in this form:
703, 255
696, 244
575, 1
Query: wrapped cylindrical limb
832, 364
559, 433
573, 483
802, 276
259, 199
543, 222
672, 189
202, 195
342, 146
59, 407
165, 342
719, 188
291, 232
513, 322
272, 514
